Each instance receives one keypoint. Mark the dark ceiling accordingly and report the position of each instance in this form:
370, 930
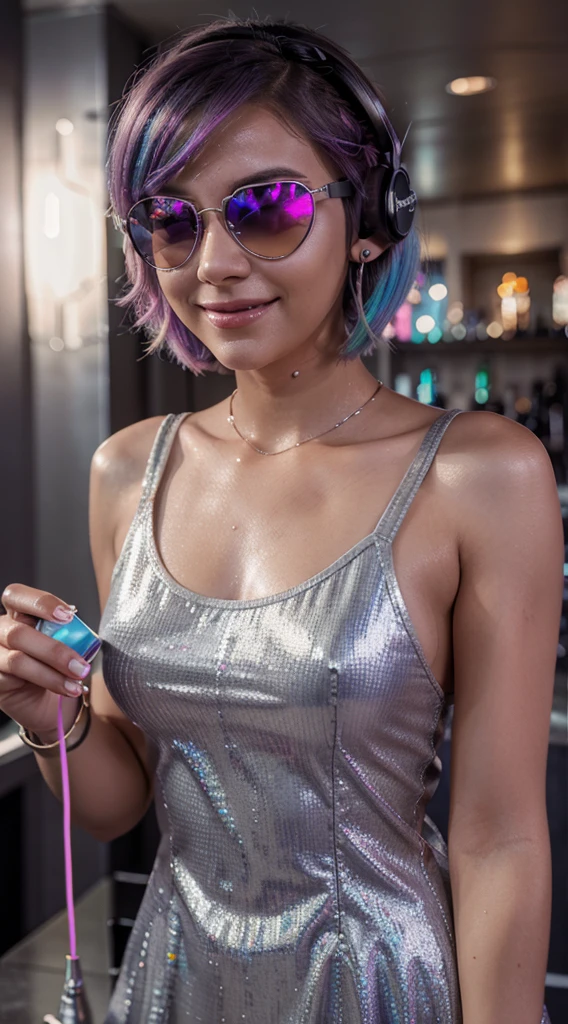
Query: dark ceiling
512, 139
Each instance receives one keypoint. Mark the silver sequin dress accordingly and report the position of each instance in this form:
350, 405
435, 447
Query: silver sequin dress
298, 879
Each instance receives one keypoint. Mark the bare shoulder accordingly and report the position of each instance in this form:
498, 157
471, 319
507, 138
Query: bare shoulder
501, 480
119, 462
494, 447
479, 430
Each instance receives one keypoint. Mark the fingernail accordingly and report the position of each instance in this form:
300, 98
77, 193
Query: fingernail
75, 688
63, 614
78, 668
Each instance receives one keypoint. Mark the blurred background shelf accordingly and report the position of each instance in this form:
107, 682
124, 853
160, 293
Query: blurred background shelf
528, 346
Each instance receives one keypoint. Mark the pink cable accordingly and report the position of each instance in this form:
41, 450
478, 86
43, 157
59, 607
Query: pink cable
67, 832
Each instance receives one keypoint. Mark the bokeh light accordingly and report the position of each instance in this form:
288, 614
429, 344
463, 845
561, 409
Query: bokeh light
438, 292
64, 126
560, 301
521, 285
471, 86
455, 313
509, 313
425, 323
494, 329
505, 291
523, 304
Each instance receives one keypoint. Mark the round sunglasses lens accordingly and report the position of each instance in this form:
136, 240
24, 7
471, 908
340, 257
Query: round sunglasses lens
271, 220
163, 231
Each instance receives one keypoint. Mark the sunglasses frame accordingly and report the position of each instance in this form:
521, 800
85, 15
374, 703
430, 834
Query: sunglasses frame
341, 189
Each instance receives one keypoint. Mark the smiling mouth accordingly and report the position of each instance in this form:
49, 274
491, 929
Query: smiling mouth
233, 307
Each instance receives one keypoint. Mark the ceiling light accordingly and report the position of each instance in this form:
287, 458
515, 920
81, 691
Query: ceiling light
470, 86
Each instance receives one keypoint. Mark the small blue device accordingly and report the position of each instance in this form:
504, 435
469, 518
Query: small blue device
75, 634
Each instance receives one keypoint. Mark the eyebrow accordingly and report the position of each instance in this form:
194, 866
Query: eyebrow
268, 174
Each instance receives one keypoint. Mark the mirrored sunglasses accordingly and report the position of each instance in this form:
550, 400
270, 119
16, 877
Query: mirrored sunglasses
268, 220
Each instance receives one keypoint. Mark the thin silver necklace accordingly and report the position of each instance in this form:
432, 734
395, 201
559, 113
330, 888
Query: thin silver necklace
231, 420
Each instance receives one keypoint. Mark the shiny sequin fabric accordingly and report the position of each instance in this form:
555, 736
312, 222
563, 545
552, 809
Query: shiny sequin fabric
298, 879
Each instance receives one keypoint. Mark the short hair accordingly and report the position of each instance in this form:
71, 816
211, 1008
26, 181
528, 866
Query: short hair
168, 114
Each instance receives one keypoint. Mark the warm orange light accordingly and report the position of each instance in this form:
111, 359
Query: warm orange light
470, 86
521, 285
509, 277
505, 291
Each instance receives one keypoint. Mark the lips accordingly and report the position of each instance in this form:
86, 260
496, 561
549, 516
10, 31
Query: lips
238, 313
235, 307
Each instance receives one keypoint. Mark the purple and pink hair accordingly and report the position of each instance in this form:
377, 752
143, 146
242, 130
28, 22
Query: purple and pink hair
167, 116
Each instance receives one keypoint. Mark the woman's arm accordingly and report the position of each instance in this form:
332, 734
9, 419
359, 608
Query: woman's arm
111, 774
505, 633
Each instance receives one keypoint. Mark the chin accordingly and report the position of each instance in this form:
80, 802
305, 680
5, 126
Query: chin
245, 354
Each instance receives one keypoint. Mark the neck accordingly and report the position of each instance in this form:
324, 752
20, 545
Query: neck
275, 410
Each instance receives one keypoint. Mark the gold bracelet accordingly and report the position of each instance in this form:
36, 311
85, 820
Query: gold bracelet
49, 752
43, 747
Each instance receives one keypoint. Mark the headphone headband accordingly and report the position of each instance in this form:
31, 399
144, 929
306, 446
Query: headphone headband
390, 202
332, 64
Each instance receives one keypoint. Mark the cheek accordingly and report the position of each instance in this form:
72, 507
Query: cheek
316, 271
176, 289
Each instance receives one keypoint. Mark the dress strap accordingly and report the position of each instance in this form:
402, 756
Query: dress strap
403, 496
159, 453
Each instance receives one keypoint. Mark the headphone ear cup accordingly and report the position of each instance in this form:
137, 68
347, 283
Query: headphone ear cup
389, 207
400, 205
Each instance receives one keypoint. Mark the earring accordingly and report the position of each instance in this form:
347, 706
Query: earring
296, 373
365, 253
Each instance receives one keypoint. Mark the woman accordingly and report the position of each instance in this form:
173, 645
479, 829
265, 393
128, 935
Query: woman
283, 636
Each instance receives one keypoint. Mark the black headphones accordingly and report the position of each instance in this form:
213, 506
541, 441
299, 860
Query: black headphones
390, 202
